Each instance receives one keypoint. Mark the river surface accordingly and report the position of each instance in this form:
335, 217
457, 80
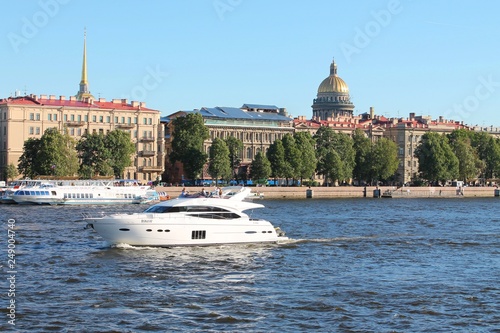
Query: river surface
353, 265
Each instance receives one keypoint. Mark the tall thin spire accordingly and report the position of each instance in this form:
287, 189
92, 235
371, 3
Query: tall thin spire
84, 93
84, 65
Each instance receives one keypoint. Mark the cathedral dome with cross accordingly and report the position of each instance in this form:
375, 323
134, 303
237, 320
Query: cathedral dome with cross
333, 98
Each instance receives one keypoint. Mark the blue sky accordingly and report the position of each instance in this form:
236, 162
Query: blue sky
437, 58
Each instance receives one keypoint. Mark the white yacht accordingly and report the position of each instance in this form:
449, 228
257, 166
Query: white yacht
190, 221
85, 192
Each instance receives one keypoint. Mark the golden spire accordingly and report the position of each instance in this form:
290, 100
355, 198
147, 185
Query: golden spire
84, 66
84, 93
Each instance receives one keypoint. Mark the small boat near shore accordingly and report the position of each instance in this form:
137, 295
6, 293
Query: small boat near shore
190, 221
85, 192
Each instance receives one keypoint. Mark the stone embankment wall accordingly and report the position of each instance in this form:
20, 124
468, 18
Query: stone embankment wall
353, 192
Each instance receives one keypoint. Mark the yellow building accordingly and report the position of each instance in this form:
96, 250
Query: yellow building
23, 117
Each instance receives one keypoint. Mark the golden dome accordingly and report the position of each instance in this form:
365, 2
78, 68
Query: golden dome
333, 83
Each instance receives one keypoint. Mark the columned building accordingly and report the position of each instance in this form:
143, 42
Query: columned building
333, 98
23, 117
257, 126
333, 108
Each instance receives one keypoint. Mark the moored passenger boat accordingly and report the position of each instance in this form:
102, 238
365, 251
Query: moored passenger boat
85, 192
191, 221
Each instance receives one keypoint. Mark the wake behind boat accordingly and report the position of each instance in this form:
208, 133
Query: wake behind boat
196, 221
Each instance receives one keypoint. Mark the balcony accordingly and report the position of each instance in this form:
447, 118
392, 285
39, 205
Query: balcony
74, 123
147, 139
126, 126
148, 153
150, 168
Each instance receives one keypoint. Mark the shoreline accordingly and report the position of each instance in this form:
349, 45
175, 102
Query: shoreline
320, 192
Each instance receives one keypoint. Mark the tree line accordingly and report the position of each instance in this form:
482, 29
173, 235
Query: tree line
338, 157
462, 155
298, 157
58, 154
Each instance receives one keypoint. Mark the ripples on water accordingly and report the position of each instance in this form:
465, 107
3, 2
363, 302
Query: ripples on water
359, 265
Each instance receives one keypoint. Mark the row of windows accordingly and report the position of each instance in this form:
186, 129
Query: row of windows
95, 118
247, 136
21, 192
78, 132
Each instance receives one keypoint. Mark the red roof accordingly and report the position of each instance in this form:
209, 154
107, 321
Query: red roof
30, 100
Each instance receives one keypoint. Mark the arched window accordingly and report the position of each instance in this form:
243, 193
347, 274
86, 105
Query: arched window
249, 153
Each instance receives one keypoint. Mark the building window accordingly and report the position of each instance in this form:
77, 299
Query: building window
32, 130
37, 131
72, 117
79, 132
123, 120
135, 120
72, 131
79, 118
101, 119
101, 131
32, 116
86, 118
55, 116
37, 116
108, 119
116, 120
94, 119
135, 134
129, 120
49, 117
249, 153
150, 121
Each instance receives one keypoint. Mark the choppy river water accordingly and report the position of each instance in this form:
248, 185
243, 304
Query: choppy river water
353, 265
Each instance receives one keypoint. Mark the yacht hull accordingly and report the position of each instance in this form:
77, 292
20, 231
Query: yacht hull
182, 231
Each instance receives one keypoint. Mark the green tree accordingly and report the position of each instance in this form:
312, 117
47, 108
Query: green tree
489, 151
260, 169
331, 166
276, 156
363, 147
327, 141
219, 164
384, 159
121, 147
306, 146
94, 155
469, 164
53, 154
437, 162
235, 146
189, 133
28, 161
11, 172
292, 157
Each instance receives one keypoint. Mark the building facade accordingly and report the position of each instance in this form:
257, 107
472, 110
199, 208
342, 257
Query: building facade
257, 126
23, 117
333, 108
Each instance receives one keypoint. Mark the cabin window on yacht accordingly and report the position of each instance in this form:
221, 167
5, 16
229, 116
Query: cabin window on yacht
37, 192
217, 216
198, 234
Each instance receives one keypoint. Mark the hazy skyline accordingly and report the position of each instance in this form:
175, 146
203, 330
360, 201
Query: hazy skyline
399, 56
